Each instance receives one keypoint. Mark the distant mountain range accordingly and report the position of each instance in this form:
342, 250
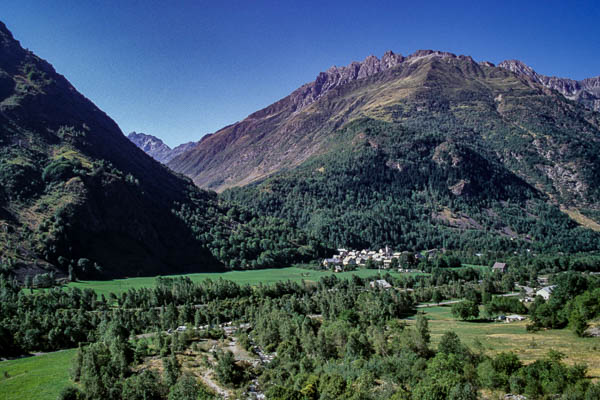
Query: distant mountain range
155, 147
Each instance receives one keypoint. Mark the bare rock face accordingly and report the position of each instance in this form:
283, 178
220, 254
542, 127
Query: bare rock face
586, 92
338, 76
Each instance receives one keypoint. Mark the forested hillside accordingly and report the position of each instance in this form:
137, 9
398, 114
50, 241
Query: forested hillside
395, 186
434, 151
77, 198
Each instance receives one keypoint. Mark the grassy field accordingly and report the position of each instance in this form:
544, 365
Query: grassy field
494, 337
483, 268
39, 377
255, 277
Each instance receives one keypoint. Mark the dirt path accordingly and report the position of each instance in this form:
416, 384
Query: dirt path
209, 381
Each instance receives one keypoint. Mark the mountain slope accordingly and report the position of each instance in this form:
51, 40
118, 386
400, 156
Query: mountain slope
534, 132
586, 92
155, 147
429, 150
74, 191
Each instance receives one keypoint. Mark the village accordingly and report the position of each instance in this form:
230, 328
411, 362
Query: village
348, 260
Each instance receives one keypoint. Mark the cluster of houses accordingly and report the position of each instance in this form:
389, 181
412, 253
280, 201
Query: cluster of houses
530, 293
346, 260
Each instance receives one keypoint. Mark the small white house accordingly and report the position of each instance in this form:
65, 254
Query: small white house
380, 283
545, 292
514, 317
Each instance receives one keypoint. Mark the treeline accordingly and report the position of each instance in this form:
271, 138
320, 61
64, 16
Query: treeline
330, 340
57, 319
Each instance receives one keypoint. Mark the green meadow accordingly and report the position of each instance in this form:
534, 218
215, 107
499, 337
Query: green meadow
38, 377
253, 277
495, 337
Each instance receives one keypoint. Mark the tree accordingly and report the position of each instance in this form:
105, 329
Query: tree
186, 388
70, 393
226, 370
143, 386
465, 310
72, 276
450, 344
172, 369
422, 336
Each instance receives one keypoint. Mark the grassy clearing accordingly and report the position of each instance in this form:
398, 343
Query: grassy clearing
483, 268
581, 219
496, 337
39, 377
254, 277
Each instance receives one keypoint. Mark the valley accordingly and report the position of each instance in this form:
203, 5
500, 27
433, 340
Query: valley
409, 227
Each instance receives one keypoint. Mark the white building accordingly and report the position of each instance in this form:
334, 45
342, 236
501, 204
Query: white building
545, 292
380, 283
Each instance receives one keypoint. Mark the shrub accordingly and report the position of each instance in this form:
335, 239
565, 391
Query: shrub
60, 170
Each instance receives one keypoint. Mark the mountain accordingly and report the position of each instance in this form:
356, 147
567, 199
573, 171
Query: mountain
155, 147
409, 151
586, 92
426, 85
74, 191
78, 197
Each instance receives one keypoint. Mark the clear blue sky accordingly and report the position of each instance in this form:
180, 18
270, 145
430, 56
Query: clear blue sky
181, 69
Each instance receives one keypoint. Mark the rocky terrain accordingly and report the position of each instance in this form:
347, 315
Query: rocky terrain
586, 92
155, 147
522, 121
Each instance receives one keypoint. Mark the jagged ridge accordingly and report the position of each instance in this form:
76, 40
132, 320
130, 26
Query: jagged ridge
586, 91
156, 148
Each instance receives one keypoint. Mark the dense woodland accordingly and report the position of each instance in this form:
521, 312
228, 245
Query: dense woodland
393, 189
334, 339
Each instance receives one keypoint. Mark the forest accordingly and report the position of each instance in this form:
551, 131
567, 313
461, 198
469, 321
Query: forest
396, 186
326, 340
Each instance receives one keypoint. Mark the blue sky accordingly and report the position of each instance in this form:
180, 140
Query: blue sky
181, 69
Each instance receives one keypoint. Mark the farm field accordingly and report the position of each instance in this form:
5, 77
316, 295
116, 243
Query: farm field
254, 277
495, 337
38, 377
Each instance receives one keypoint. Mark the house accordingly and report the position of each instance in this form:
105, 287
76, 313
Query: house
514, 317
545, 292
350, 260
332, 261
529, 291
342, 252
499, 267
380, 283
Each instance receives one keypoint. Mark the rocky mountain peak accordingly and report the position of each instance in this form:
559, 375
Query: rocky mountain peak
587, 91
156, 148
4, 31
518, 67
